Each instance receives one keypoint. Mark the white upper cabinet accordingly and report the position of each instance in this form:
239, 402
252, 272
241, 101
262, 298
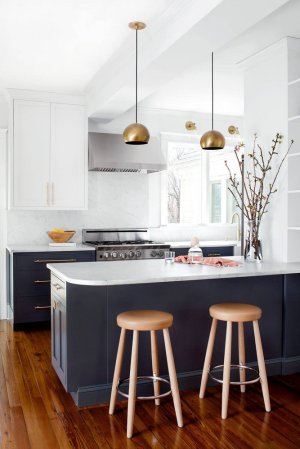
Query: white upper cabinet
31, 154
48, 155
68, 158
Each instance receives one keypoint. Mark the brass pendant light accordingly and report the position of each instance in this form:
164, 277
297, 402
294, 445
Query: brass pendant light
212, 140
136, 133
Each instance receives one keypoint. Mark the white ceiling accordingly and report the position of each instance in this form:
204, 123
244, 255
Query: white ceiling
72, 46
59, 45
191, 91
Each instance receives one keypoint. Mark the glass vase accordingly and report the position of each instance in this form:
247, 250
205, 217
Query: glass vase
253, 249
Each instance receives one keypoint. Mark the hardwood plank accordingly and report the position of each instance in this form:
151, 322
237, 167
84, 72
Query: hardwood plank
36, 412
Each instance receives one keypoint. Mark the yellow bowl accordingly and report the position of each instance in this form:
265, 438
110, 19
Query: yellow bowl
61, 237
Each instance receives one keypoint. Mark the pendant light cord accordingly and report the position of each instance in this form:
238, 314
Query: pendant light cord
212, 90
136, 73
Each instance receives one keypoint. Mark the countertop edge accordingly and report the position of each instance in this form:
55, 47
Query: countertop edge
151, 280
45, 248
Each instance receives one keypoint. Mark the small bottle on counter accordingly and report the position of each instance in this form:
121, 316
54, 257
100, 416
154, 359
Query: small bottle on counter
195, 253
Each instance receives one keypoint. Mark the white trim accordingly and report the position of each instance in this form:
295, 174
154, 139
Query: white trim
296, 81
293, 154
51, 97
262, 54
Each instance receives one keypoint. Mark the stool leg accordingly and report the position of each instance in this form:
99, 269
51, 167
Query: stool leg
173, 377
261, 367
208, 356
226, 371
242, 357
117, 373
132, 383
155, 365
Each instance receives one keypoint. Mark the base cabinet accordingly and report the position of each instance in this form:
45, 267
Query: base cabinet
208, 251
79, 335
291, 340
85, 333
58, 337
29, 282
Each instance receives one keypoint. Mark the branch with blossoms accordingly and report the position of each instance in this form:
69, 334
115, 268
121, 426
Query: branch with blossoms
257, 193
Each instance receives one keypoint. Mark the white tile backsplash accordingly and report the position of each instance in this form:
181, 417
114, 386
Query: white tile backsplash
115, 200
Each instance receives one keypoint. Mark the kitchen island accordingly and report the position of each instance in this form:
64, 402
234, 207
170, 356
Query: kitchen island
86, 298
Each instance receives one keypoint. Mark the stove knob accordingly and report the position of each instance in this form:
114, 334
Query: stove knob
114, 254
123, 255
131, 254
138, 254
161, 253
153, 253
106, 255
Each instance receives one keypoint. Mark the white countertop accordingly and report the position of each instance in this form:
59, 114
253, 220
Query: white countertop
46, 248
204, 243
151, 271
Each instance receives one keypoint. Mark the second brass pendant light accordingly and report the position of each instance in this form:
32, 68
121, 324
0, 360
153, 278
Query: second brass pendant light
136, 133
212, 140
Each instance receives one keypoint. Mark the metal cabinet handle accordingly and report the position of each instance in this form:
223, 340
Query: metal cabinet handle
47, 281
214, 255
54, 261
42, 307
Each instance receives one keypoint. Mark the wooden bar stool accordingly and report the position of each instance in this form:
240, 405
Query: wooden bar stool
152, 321
235, 313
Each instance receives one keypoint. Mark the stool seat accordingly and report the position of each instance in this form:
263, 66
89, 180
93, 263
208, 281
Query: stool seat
145, 320
235, 312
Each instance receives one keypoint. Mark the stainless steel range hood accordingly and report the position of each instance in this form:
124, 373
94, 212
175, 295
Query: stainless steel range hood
109, 153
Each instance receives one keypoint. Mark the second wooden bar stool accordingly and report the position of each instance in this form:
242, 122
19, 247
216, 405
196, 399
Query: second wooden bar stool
152, 321
237, 313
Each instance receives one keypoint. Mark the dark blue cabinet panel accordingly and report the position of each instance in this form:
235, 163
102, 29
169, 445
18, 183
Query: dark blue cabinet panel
29, 297
291, 348
216, 251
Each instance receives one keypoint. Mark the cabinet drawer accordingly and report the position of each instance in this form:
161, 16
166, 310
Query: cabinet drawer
30, 309
32, 283
58, 288
38, 261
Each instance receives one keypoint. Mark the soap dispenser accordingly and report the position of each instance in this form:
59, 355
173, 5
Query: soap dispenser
195, 253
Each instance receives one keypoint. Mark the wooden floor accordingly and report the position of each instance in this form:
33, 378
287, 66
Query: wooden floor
36, 412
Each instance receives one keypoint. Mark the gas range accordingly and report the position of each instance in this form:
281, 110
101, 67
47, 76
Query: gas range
123, 244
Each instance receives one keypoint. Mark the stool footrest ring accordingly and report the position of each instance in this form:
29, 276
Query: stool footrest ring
153, 378
246, 382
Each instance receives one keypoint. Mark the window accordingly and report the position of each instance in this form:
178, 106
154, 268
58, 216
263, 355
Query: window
198, 184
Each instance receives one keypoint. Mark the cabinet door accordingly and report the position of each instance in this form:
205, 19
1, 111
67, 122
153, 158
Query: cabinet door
59, 337
68, 156
31, 154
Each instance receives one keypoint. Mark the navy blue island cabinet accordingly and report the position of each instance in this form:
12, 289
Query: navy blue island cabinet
28, 283
85, 334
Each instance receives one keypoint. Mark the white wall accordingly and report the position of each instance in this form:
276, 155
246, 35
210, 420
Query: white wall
115, 200
3, 235
266, 112
3, 112
184, 233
